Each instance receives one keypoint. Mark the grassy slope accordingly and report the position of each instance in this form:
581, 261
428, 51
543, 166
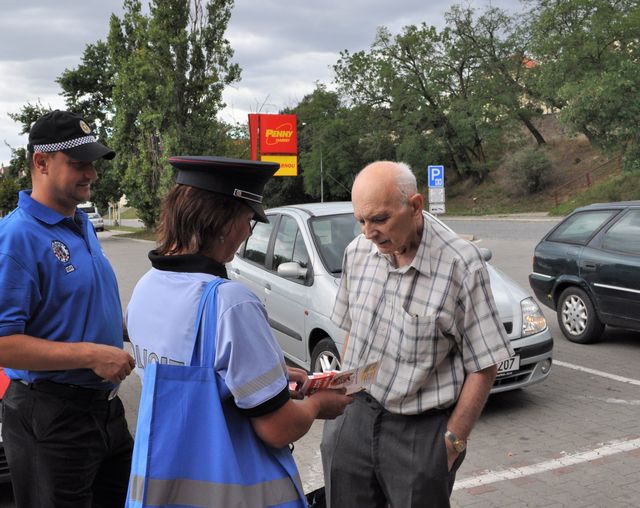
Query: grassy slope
581, 175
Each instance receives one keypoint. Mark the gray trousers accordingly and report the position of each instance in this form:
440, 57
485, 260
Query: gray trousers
376, 459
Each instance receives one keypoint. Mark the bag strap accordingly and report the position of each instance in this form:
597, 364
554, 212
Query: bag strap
204, 350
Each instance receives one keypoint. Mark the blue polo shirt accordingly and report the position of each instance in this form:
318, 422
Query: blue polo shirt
56, 284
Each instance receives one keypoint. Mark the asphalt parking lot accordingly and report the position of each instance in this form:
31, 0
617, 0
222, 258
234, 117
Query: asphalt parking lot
571, 441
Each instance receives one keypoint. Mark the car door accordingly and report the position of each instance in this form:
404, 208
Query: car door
286, 299
611, 267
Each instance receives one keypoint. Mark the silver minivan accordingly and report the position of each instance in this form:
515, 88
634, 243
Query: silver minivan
294, 265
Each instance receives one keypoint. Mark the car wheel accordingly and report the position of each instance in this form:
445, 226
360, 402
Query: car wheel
325, 356
577, 317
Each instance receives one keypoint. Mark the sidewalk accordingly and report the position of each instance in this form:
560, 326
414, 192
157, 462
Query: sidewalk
520, 217
132, 223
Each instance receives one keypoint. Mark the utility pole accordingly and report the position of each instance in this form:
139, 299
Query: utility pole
321, 178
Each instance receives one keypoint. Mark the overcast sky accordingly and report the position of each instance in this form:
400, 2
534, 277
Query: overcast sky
283, 47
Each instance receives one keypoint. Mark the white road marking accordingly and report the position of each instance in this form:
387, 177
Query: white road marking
610, 400
610, 448
600, 373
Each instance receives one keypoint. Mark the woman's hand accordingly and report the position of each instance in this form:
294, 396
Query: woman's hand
299, 377
331, 403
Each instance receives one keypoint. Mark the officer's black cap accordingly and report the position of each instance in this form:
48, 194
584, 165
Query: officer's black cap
240, 178
63, 131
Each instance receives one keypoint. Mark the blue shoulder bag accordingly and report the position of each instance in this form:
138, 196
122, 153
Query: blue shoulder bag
193, 448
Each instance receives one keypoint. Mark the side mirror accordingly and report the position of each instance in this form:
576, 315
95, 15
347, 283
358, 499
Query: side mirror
292, 270
486, 253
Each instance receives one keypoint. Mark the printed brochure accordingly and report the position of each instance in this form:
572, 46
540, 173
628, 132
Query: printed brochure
353, 380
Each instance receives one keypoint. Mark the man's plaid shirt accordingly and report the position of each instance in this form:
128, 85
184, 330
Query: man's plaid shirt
428, 323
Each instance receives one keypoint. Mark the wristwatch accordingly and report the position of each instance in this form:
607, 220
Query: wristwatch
459, 445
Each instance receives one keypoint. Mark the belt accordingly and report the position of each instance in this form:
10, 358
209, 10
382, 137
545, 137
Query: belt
69, 392
371, 402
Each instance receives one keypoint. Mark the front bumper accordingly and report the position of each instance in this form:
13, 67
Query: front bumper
535, 362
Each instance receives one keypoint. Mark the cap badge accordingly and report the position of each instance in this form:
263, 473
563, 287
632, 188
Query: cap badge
249, 196
85, 128
60, 251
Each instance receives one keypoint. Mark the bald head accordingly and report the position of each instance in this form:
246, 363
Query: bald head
387, 177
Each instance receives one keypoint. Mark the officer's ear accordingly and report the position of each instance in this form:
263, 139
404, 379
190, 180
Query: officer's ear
40, 160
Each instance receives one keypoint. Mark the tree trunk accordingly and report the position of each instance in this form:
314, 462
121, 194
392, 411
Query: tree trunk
532, 128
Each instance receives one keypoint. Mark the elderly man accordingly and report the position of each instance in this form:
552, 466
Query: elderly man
415, 297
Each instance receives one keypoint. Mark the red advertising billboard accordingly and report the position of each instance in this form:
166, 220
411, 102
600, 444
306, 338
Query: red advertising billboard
274, 135
278, 134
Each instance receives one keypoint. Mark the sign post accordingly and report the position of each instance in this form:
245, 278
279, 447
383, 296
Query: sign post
435, 178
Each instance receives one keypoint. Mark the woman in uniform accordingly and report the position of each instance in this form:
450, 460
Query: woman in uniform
204, 219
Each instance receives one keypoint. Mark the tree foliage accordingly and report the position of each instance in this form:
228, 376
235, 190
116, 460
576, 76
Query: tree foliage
529, 170
426, 83
172, 67
589, 55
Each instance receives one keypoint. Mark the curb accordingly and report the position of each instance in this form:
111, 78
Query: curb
516, 217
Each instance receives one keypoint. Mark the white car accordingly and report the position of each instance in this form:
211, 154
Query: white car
94, 216
293, 264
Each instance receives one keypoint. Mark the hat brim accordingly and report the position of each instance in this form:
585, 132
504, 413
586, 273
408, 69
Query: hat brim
258, 214
90, 152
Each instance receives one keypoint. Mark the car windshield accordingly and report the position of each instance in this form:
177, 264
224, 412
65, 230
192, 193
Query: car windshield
87, 209
332, 234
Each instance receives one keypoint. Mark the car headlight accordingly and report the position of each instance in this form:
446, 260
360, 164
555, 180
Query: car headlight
533, 320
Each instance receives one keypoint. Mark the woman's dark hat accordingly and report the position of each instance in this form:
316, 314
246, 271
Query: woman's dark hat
242, 179
62, 131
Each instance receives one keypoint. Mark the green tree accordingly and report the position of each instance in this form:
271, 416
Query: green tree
16, 176
172, 67
336, 141
9, 188
87, 89
498, 43
589, 55
425, 83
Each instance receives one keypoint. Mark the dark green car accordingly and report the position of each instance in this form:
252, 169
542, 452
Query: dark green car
587, 269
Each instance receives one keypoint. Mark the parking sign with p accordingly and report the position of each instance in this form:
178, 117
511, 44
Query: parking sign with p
436, 176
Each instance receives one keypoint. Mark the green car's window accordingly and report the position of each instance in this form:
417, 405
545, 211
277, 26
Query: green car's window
624, 235
581, 227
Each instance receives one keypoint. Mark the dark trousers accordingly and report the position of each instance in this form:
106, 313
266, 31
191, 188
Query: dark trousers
376, 459
65, 447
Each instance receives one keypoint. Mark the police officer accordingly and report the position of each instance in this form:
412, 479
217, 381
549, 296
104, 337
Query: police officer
64, 431
204, 219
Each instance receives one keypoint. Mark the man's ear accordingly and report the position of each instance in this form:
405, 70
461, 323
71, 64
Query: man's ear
40, 162
417, 202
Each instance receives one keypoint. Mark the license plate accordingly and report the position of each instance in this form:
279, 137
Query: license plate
509, 365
